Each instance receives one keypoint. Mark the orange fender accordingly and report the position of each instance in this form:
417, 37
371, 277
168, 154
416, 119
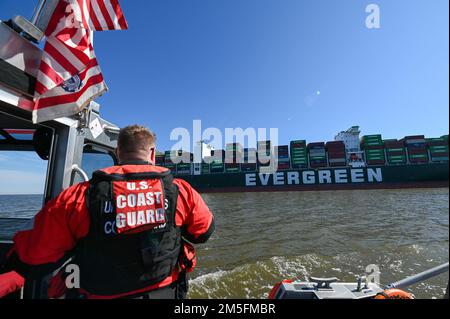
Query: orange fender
394, 294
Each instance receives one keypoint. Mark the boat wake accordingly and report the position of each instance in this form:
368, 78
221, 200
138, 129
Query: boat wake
255, 280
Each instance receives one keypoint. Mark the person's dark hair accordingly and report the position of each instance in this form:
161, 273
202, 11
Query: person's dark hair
135, 138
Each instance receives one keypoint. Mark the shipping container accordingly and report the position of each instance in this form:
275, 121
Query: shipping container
169, 155
232, 168
374, 151
338, 164
434, 142
396, 158
318, 158
337, 155
317, 153
371, 140
316, 145
159, 160
250, 152
439, 159
397, 154
418, 162
375, 162
283, 166
376, 137
318, 165
317, 161
415, 141
396, 150
412, 156
337, 160
218, 155
264, 147
284, 148
397, 162
217, 167
185, 157
417, 146
178, 156
248, 167
393, 144
332, 144
234, 157
299, 160
417, 151
299, 165
439, 154
372, 147
264, 160
438, 149
374, 155
205, 168
250, 155
234, 147
414, 137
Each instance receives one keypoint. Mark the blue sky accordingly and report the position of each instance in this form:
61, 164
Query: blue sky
261, 64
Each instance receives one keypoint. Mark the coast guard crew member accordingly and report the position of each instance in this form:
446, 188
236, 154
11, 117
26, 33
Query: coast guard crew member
128, 229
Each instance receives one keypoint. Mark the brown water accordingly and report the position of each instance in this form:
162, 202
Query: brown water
262, 238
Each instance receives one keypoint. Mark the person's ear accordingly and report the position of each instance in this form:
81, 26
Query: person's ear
152, 155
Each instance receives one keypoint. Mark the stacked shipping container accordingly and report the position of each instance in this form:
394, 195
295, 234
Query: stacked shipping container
249, 163
168, 156
217, 164
299, 154
159, 160
184, 165
395, 152
373, 149
416, 147
282, 156
317, 155
438, 149
206, 168
411, 149
184, 168
233, 157
264, 155
336, 153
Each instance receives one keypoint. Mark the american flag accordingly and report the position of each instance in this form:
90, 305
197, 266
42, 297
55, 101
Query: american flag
69, 76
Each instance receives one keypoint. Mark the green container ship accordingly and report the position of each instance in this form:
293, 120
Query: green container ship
368, 162
377, 177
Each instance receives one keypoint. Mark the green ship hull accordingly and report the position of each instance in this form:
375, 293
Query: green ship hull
375, 177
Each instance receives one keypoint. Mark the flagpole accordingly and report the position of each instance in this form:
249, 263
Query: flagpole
37, 11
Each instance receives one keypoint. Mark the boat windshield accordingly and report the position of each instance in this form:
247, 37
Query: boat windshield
22, 176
